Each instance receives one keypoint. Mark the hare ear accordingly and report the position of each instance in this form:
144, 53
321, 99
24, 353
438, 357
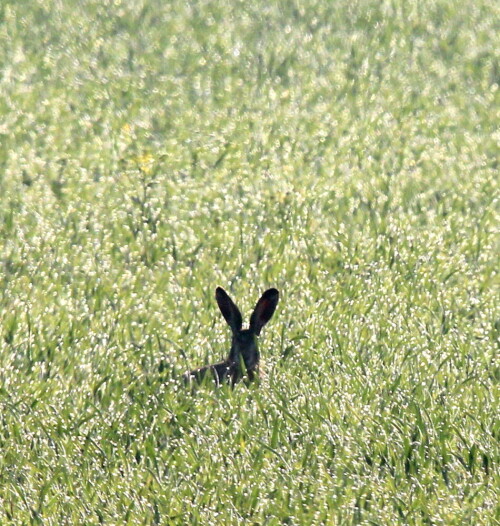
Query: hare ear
229, 310
264, 310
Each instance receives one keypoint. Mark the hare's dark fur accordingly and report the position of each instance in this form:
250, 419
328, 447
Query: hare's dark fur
243, 358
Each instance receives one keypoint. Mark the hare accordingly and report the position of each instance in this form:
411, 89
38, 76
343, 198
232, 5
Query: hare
243, 358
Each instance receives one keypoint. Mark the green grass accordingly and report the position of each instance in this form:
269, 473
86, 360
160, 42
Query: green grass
344, 152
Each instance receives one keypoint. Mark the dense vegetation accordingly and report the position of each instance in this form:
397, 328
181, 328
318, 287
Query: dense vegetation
344, 152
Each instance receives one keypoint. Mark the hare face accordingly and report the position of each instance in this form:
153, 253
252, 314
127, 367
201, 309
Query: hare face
244, 344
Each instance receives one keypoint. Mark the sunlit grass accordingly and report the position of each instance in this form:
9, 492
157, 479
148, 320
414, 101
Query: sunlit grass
345, 153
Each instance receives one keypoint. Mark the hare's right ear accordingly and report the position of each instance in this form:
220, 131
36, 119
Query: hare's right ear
229, 310
264, 310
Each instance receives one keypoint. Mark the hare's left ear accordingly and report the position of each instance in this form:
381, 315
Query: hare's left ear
264, 310
229, 310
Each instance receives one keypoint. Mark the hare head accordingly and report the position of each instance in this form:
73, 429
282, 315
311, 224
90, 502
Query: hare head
243, 358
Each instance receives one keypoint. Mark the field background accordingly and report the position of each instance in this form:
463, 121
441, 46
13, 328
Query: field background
345, 152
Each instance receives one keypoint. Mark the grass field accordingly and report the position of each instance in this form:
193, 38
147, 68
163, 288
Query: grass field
344, 152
